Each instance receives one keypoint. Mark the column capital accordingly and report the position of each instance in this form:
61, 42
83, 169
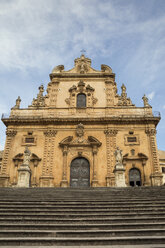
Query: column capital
95, 150
65, 150
50, 133
110, 132
11, 132
150, 131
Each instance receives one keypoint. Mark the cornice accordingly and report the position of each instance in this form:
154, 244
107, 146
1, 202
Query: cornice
78, 75
85, 120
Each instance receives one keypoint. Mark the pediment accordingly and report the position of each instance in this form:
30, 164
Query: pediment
82, 65
139, 156
80, 141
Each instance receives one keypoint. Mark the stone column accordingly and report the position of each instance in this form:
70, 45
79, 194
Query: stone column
64, 182
4, 177
156, 176
46, 180
94, 180
110, 146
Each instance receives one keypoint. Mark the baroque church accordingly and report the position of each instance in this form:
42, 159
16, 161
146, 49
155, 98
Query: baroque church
71, 135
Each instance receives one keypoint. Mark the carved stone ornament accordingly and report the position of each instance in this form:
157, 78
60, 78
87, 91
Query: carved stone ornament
50, 133
40, 100
58, 69
11, 133
111, 132
81, 88
123, 100
80, 130
82, 64
150, 132
106, 69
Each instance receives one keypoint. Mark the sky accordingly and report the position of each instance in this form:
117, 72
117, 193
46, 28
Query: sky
127, 35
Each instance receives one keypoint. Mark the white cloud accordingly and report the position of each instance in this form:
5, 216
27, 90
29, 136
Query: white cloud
151, 95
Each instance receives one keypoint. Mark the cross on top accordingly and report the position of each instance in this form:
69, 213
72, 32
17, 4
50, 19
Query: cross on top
83, 51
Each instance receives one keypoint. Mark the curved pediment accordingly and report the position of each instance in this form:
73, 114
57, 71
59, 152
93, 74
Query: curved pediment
80, 141
82, 65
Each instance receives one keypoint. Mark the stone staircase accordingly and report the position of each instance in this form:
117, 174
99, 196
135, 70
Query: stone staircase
115, 217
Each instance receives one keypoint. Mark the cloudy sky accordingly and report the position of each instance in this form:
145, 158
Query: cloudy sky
128, 35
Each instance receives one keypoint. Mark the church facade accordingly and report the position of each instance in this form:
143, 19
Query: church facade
74, 130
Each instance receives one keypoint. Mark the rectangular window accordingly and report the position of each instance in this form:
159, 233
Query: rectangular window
163, 169
29, 140
131, 139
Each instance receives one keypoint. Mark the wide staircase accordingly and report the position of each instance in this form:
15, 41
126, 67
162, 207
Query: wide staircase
114, 217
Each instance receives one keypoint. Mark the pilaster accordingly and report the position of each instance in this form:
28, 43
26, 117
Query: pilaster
64, 182
4, 177
111, 147
156, 176
46, 180
95, 180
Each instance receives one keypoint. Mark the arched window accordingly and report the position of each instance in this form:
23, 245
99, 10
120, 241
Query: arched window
81, 100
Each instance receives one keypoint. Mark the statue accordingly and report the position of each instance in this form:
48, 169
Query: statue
18, 101
123, 88
145, 101
118, 155
27, 155
119, 169
24, 172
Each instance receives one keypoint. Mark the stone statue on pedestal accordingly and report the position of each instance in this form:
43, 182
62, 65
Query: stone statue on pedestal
118, 155
24, 172
119, 170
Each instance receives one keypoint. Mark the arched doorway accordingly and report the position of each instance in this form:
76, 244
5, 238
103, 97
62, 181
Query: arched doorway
134, 177
80, 173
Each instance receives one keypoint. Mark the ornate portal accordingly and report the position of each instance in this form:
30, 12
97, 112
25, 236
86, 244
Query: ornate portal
80, 173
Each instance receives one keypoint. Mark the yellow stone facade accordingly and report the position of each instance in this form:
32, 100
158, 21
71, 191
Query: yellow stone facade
81, 119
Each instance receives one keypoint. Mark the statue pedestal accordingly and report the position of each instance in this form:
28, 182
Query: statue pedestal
64, 184
24, 174
156, 179
119, 172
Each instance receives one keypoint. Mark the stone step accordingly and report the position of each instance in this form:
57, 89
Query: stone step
82, 204
81, 226
82, 233
89, 210
82, 215
83, 240
82, 201
107, 220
